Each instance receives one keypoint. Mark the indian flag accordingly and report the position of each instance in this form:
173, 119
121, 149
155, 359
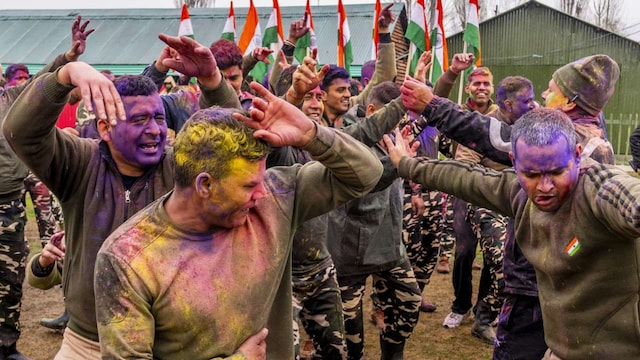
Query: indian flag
471, 34
573, 247
251, 36
439, 44
345, 56
417, 33
272, 39
374, 40
185, 28
229, 31
308, 41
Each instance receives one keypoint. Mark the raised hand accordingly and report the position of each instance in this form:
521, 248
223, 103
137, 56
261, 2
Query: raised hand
461, 62
262, 54
306, 78
415, 95
277, 122
423, 65
386, 18
192, 59
98, 93
79, 34
298, 29
399, 146
53, 251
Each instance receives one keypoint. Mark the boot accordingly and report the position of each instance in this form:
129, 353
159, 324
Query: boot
9, 352
390, 351
426, 306
59, 323
482, 325
443, 265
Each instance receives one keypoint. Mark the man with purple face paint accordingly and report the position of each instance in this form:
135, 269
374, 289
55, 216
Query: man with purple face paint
13, 247
580, 89
101, 183
575, 220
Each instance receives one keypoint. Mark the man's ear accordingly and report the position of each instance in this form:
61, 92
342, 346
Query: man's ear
508, 105
203, 184
370, 109
578, 153
104, 129
570, 105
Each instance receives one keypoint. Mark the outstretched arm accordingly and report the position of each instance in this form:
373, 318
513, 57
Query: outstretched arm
484, 134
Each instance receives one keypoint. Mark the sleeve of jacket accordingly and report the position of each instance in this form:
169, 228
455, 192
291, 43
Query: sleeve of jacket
370, 130
11, 93
344, 169
156, 76
483, 134
385, 71
463, 153
468, 181
275, 72
49, 280
248, 63
223, 95
56, 157
445, 83
178, 107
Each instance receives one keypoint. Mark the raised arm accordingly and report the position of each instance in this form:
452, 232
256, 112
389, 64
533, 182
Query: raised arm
386, 61
347, 168
486, 135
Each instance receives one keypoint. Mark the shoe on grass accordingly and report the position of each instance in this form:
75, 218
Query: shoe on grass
454, 320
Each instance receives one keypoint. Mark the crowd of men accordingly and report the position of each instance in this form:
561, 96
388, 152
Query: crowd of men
209, 221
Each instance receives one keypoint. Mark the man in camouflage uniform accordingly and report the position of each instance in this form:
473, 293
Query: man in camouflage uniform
426, 229
365, 239
488, 226
13, 247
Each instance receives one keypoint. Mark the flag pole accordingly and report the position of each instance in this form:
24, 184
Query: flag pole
462, 79
409, 54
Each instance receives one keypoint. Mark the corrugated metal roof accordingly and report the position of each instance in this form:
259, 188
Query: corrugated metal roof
127, 38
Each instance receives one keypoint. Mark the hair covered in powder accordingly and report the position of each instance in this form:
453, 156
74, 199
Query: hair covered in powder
209, 142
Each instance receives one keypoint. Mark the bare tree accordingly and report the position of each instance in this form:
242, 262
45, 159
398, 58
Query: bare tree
577, 8
607, 14
455, 13
195, 3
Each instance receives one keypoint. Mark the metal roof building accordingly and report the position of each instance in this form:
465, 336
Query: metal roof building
126, 40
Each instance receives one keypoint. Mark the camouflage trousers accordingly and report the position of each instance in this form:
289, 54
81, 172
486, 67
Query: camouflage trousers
317, 302
399, 299
47, 210
490, 229
13, 256
429, 235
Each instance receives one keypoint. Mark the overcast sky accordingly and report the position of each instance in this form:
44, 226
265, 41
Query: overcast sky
631, 11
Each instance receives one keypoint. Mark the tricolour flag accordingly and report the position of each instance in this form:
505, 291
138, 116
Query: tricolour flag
573, 246
345, 55
374, 40
185, 28
439, 51
273, 38
471, 34
417, 33
229, 31
251, 36
308, 41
